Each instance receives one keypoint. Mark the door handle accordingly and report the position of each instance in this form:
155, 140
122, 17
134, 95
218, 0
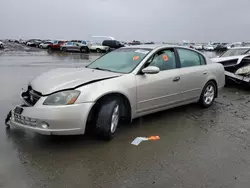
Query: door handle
205, 72
176, 79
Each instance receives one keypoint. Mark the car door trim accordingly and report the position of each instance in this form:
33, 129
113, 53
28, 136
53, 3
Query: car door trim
157, 98
165, 106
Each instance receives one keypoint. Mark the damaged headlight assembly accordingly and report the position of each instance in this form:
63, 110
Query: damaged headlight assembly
62, 98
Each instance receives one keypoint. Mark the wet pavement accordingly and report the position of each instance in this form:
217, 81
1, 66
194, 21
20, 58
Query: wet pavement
198, 147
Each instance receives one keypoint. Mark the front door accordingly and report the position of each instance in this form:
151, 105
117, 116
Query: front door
75, 47
156, 91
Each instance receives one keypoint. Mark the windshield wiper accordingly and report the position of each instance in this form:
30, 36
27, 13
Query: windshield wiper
98, 68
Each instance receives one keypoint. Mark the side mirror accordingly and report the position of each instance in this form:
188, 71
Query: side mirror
151, 70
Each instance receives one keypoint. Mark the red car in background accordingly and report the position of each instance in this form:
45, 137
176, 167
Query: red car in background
56, 45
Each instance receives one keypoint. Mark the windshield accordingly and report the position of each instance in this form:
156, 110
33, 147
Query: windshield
123, 60
235, 52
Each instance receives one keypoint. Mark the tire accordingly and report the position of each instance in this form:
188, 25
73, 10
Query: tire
49, 48
208, 95
109, 111
84, 50
98, 50
64, 49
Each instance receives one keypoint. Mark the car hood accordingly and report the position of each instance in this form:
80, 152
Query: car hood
221, 59
68, 78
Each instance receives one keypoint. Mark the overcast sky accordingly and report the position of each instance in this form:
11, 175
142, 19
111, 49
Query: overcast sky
152, 20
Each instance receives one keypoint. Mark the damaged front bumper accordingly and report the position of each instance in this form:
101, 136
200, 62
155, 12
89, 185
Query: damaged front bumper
63, 120
49, 120
237, 78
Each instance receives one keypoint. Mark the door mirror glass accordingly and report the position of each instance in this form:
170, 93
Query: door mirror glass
151, 70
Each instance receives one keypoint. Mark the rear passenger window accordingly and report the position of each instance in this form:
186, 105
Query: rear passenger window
189, 58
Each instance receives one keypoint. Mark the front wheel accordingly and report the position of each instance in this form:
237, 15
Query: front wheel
208, 95
64, 49
108, 119
98, 50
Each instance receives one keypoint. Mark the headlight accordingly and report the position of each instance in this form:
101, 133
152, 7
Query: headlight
62, 98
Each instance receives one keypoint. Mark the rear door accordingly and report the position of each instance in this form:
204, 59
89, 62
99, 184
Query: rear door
193, 73
157, 91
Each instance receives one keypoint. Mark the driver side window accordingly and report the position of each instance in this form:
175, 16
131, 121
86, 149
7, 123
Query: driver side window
164, 60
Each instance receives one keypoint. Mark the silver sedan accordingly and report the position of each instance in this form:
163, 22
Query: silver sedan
122, 85
74, 46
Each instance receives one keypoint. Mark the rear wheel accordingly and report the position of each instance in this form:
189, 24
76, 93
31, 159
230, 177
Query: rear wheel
108, 118
84, 50
49, 48
208, 94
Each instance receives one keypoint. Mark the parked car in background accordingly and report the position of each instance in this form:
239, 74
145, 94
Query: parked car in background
80, 41
45, 45
1, 45
38, 42
74, 46
97, 47
134, 42
112, 44
56, 45
209, 47
237, 51
198, 46
233, 45
22, 41
236, 62
246, 44
220, 47
149, 42
114, 89
31, 42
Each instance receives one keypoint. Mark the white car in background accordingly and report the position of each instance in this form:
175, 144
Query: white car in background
198, 46
45, 45
1, 44
209, 47
97, 47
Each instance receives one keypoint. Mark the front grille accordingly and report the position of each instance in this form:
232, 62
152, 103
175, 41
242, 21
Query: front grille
24, 120
31, 96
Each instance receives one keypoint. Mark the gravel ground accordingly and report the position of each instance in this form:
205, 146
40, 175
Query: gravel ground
198, 147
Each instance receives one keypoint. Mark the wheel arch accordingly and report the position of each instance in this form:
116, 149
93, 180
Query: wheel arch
216, 85
126, 111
